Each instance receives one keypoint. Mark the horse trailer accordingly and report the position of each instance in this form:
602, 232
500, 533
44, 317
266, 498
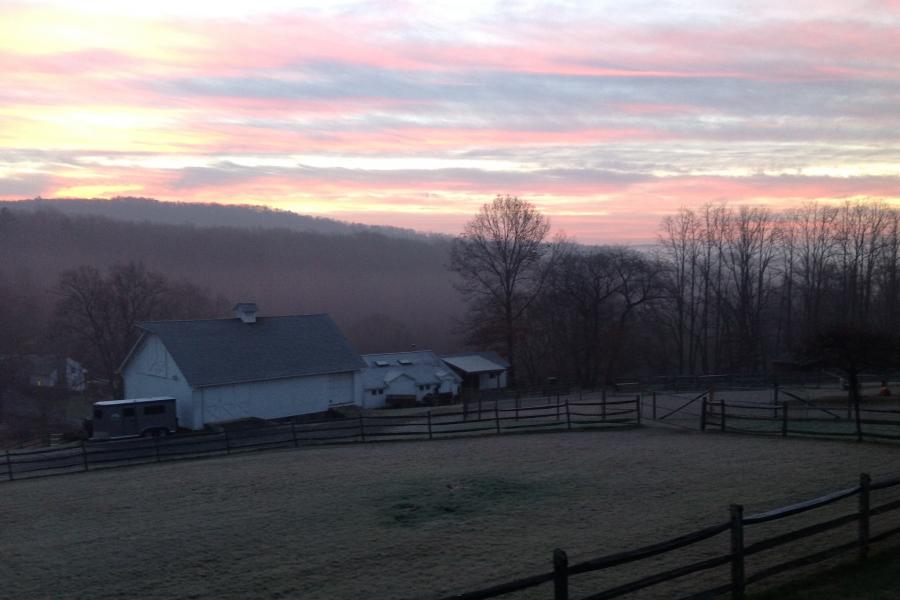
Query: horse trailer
134, 417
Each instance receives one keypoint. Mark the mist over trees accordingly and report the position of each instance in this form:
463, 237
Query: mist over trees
386, 293
728, 289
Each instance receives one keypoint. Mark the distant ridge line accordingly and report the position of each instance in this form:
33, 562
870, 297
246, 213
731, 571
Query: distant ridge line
207, 214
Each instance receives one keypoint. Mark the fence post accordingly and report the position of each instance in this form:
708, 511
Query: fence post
517, 407
864, 484
568, 415
479, 406
84, 455
362, 429
737, 551
784, 419
9, 466
430, 436
294, 433
497, 418
156, 447
560, 575
603, 405
637, 401
859, 431
775, 400
702, 414
557, 407
722, 409
227, 444
654, 406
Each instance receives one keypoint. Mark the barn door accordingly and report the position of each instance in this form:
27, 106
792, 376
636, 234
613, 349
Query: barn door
340, 388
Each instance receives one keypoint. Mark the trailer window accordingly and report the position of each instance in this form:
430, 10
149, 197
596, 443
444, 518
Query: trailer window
155, 410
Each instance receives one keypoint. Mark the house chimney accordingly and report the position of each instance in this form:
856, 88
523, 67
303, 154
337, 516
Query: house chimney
245, 311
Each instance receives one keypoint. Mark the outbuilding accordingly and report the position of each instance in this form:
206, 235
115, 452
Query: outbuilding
406, 378
221, 370
480, 370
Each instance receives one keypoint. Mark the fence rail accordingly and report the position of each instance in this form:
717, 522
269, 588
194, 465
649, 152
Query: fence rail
738, 550
495, 420
799, 418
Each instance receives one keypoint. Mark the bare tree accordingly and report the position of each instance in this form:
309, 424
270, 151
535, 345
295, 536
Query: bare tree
502, 258
96, 315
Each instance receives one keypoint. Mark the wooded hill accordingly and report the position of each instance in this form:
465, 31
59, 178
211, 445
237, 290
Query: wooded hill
386, 292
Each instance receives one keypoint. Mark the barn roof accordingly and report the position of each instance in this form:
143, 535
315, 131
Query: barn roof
477, 362
223, 351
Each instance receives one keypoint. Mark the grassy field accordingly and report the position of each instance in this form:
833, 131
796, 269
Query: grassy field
396, 520
876, 579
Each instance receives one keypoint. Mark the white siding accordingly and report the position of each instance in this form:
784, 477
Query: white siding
485, 382
277, 398
151, 372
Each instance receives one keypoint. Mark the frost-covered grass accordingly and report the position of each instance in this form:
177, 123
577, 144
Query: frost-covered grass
396, 520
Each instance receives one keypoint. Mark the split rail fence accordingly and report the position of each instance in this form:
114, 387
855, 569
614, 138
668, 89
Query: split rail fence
801, 417
736, 527
492, 418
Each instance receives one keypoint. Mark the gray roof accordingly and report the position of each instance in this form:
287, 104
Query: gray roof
222, 351
425, 368
477, 362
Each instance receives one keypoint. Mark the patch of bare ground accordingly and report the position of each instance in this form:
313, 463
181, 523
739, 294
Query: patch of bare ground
401, 520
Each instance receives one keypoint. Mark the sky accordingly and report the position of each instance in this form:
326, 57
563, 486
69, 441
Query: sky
606, 115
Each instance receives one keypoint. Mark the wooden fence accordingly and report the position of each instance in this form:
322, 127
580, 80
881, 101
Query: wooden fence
494, 418
800, 417
736, 526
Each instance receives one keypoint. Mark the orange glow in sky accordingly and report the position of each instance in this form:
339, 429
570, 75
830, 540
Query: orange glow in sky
607, 116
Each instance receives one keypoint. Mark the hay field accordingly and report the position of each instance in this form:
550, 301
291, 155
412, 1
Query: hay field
394, 520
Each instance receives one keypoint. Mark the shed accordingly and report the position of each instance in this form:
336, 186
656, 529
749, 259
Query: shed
480, 370
222, 370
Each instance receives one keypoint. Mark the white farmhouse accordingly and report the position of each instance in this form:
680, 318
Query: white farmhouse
404, 378
480, 370
226, 369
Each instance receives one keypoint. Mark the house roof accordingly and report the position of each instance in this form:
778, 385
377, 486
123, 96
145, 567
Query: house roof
223, 351
423, 366
477, 362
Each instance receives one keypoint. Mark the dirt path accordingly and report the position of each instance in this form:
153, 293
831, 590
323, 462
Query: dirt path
394, 520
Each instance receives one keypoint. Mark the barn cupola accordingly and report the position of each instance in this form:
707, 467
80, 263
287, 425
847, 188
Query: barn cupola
245, 311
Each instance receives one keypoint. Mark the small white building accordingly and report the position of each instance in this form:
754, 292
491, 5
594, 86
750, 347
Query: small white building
480, 370
221, 370
405, 378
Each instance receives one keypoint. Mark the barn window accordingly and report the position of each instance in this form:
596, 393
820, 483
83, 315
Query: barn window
155, 410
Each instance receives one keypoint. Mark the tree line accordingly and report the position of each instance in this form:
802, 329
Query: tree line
728, 289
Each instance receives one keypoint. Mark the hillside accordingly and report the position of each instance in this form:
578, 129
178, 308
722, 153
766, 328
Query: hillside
385, 292
203, 215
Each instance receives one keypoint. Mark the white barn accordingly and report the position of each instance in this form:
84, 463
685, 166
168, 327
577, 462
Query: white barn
222, 370
406, 377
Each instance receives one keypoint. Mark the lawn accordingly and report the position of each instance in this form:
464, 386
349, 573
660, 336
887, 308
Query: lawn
397, 520
876, 579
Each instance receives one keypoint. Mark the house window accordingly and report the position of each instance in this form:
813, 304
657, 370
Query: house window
493, 376
155, 410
